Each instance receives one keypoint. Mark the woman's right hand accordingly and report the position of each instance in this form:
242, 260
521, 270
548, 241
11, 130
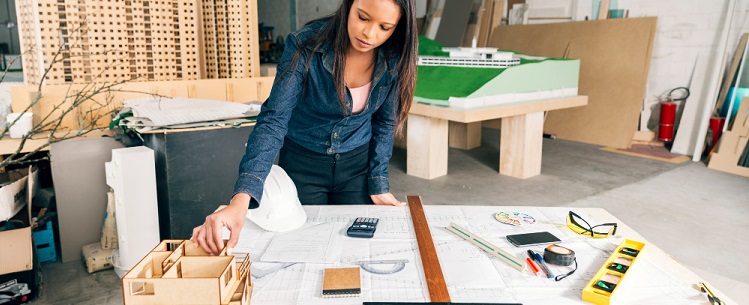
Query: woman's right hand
208, 235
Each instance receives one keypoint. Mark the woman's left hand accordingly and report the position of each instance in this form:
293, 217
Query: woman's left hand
386, 199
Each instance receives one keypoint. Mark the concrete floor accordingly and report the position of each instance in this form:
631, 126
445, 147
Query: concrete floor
695, 214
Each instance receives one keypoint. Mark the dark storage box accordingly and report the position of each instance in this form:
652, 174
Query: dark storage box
195, 173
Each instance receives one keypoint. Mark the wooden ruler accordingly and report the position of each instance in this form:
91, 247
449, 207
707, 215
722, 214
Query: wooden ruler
432, 270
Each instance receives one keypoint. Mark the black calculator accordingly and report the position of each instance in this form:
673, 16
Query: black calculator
363, 227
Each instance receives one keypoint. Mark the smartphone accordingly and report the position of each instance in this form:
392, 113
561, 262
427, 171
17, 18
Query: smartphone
529, 239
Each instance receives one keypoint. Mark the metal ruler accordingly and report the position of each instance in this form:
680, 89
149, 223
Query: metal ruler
432, 270
502, 255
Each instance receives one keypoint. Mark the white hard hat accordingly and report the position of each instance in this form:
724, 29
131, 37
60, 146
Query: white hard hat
280, 209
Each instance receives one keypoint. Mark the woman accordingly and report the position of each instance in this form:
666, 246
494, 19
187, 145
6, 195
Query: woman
344, 90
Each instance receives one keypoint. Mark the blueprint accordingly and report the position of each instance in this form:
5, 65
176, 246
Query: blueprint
282, 276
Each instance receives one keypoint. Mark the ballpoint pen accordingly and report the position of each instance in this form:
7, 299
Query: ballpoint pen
537, 257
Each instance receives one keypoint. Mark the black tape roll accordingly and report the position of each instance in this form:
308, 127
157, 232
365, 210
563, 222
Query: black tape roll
559, 255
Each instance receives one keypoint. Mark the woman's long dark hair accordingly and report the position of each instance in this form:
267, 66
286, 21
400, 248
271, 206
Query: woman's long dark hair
404, 41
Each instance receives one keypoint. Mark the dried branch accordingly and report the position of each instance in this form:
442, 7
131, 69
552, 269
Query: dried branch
89, 103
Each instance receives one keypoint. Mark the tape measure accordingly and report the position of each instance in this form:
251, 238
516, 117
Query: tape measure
559, 255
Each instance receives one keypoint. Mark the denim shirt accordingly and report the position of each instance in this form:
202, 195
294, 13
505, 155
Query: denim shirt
310, 114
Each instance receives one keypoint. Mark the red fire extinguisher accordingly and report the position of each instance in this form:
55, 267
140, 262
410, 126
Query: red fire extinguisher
668, 121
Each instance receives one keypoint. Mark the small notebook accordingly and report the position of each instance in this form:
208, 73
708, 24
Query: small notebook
341, 282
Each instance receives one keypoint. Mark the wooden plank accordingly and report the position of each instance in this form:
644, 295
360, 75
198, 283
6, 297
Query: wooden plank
499, 111
9, 145
521, 145
615, 55
603, 10
265, 84
465, 135
253, 45
434, 24
677, 160
472, 30
497, 12
427, 147
728, 80
256, 89
643, 136
485, 23
429, 260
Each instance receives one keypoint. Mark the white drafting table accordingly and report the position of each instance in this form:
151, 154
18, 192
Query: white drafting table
521, 135
471, 274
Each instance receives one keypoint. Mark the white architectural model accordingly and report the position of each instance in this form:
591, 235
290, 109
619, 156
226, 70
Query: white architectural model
471, 57
179, 272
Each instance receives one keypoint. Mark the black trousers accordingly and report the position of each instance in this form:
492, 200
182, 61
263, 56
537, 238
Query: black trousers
327, 179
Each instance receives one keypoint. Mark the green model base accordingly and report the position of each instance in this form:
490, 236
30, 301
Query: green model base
438, 84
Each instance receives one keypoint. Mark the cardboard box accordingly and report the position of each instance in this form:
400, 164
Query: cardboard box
16, 246
19, 265
13, 191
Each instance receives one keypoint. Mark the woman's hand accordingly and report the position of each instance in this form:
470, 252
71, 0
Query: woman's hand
386, 199
208, 236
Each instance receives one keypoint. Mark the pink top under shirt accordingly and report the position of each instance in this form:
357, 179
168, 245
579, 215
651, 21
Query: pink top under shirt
360, 95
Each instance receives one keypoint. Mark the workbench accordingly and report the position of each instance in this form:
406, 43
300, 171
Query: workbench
471, 275
520, 143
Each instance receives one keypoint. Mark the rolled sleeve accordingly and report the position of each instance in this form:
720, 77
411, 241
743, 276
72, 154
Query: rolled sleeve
381, 146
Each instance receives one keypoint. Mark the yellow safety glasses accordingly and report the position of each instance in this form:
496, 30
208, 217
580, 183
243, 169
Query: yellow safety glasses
578, 225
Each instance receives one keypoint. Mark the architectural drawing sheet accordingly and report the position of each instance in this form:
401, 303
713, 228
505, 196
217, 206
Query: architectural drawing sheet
282, 277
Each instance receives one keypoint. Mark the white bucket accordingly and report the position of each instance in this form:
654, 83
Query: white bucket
20, 127
118, 268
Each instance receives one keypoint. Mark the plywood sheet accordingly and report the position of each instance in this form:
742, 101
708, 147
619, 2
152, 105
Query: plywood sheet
81, 191
614, 60
732, 71
453, 23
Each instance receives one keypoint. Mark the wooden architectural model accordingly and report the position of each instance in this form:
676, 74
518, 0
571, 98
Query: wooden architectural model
230, 39
179, 272
139, 40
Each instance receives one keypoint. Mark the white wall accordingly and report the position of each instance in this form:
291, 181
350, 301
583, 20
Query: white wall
307, 11
275, 13
685, 30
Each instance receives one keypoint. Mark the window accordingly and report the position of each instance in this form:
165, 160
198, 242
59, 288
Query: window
227, 276
141, 288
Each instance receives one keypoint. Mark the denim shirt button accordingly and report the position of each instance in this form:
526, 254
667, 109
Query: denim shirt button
335, 135
330, 150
